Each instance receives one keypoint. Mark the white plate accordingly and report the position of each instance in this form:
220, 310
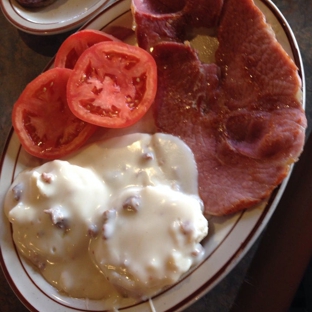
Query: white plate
60, 16
229, 238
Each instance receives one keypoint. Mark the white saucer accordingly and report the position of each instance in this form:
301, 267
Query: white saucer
61, 16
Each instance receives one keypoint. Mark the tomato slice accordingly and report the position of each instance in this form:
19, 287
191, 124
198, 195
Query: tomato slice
43, 121
70, 50
112, 85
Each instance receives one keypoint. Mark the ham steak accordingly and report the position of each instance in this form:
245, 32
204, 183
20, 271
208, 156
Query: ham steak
168, 20
241, 116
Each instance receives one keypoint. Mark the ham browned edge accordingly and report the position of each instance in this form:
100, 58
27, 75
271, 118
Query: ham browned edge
241, 116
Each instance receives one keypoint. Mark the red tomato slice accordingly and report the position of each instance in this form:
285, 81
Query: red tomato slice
112, 85
43, 121
70, 50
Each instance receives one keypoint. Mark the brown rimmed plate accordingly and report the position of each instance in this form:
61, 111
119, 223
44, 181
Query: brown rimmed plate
229, 238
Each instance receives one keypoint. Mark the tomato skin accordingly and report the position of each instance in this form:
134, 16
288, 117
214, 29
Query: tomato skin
43, 121
70, 50
112, 85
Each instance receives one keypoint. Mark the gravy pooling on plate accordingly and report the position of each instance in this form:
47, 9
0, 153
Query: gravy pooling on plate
109, 209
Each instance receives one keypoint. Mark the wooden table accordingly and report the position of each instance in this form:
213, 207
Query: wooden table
267, 277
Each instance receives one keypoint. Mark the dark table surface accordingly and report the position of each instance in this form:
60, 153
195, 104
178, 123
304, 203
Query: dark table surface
267, 277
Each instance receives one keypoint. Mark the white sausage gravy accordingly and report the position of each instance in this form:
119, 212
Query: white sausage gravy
120, 219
